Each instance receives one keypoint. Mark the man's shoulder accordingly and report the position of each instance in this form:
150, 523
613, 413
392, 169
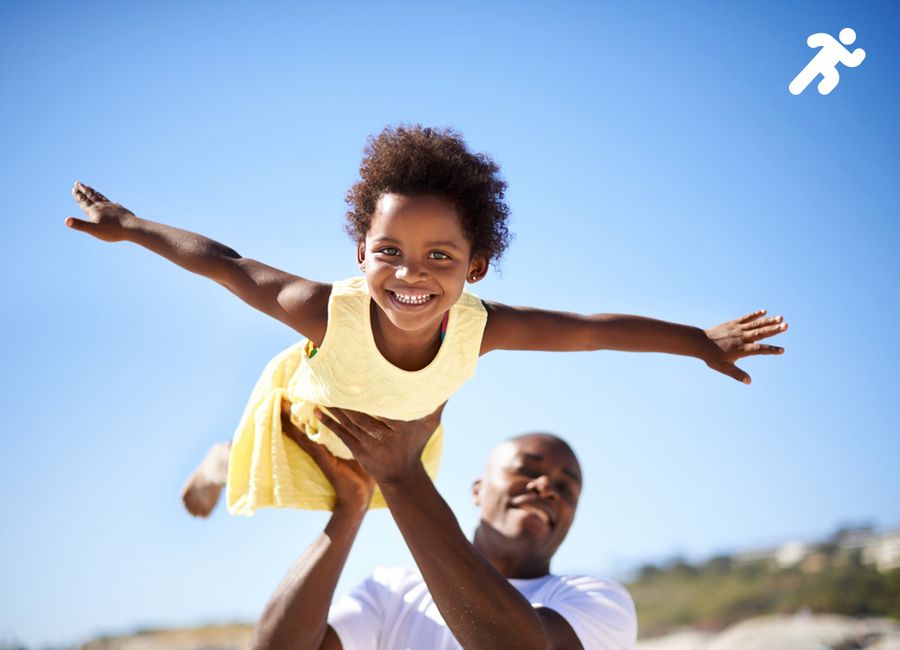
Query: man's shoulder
600, 610
571, 585
582, 582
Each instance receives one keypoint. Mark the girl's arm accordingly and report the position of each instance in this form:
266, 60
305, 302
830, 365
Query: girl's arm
522, 328
299, 303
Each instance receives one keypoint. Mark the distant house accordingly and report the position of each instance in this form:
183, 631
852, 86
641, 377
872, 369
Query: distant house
883, 550
755, 556
785, 556
791, 554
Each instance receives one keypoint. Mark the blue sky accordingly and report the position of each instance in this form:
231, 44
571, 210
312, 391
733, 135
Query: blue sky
656, 164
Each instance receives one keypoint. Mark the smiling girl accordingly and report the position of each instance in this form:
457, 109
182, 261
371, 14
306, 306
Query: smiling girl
428, 216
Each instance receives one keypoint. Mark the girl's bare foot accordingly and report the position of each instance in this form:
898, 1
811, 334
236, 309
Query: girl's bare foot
201, 492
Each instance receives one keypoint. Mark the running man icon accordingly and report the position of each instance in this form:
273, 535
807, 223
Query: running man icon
826, 60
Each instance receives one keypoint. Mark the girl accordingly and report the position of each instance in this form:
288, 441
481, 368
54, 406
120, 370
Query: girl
427, 216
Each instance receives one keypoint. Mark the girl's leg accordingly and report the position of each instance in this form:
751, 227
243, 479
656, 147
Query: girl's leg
202, 489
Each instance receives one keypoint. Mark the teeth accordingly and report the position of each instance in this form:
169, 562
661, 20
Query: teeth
412, 300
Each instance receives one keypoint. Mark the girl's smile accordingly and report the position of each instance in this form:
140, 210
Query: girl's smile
416, 259
405, 299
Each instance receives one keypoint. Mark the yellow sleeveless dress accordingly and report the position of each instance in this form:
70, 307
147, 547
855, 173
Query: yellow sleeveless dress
267, 469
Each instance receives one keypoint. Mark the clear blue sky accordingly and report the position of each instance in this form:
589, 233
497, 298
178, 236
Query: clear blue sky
656, 164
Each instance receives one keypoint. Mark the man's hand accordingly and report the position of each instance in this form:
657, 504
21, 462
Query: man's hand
352, 485
107, 221
738, 338
296, 615
386, 449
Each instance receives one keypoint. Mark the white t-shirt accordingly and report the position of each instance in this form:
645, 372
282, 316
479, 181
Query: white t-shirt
393, 610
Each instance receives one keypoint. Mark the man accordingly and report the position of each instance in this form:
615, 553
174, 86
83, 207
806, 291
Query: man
494, 592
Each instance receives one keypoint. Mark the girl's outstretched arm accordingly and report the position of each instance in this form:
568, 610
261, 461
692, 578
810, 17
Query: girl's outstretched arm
522, 328
299, 303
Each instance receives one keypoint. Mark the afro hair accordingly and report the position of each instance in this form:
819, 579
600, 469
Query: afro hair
417, 161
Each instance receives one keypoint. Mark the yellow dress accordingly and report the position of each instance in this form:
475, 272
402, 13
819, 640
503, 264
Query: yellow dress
267, 469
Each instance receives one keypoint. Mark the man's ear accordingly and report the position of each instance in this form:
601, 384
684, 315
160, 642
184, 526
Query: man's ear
361, 254
478, 268
476, 492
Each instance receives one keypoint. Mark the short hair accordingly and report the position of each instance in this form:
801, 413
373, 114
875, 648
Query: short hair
418, 161
546, 434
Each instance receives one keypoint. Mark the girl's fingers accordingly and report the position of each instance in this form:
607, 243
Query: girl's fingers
762, 322
751, 349
80, 191
81, 198
94, 195
79, 224
764, 332
732, 371
751, 317
87, 195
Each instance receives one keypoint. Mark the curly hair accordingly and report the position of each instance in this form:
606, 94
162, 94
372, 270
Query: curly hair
416, 160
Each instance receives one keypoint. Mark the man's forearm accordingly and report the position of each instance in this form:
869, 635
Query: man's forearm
480, 606
297, 614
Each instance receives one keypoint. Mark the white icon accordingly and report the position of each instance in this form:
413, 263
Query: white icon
825, 61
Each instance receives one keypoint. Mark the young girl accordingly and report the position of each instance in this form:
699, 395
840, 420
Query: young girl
428, 216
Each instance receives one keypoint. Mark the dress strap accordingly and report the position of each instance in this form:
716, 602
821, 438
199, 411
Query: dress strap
444, 325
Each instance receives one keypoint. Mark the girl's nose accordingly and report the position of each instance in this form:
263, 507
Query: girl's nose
410, 272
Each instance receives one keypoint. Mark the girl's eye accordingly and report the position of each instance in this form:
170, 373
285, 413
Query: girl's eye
438, 255
388, 250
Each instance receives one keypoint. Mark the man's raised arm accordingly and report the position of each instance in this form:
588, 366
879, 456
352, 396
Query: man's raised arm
479, 605
296, 615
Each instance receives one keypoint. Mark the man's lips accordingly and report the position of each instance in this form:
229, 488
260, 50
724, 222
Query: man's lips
539, 509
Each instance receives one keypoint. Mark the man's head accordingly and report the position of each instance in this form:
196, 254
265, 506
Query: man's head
527, 495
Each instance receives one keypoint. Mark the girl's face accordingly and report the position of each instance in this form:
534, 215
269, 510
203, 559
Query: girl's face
417, 259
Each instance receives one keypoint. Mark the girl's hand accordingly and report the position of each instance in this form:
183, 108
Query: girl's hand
107, 221
738, 338
351, 484
386, 449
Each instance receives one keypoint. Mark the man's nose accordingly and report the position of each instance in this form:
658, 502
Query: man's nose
544, 487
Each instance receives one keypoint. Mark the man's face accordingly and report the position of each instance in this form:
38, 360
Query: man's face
529, 492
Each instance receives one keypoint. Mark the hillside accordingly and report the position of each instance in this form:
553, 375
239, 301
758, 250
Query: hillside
717, 594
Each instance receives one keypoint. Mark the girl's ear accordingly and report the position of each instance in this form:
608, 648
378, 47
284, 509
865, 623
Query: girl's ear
361, 255
478, 268
476, 492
